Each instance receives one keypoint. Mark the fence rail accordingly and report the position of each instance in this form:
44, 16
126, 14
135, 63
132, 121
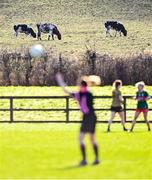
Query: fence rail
67, 109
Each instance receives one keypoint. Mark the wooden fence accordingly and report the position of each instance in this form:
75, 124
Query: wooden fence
67, 109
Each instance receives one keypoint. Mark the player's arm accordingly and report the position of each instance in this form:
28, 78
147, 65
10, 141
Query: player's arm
136, 97
121, 99
147, 96
61, 83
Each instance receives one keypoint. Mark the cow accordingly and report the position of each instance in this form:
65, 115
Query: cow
48, 28
117, 26
23, 28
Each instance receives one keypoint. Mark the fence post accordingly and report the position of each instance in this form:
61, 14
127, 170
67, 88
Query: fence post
11, 109
67, 109
125, 105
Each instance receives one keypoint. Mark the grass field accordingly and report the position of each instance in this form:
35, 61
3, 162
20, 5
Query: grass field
58, 103
51, 151
34, 151
29, 151
81, 23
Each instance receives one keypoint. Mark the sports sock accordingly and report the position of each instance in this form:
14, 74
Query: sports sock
108, 127
83, 151
95, 148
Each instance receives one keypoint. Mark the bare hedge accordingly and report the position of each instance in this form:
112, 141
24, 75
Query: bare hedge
19, 68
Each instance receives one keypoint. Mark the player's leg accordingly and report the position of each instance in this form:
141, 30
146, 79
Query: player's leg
95, 148
137, 113
145, 118
111, 119
82, 148
122, 116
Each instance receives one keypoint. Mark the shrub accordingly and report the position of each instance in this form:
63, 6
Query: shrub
18, 68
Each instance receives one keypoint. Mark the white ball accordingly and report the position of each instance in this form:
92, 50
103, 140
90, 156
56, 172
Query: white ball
36, 50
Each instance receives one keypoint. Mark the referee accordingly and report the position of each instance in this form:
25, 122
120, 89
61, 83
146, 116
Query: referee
88, 124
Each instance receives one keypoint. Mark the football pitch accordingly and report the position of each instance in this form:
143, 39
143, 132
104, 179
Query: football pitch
51, 151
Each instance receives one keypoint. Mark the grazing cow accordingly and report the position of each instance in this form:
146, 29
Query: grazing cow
23, 28
49, 28
118, 27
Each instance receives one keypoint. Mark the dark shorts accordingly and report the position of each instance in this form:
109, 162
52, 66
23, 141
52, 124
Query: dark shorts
116, 109
88, 124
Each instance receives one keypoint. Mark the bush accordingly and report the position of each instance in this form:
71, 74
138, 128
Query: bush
18, 68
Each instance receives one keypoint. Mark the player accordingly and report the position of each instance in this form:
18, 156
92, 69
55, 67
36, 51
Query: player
85, 101
142, 106
116, 107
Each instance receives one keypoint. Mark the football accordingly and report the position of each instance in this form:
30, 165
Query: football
36, 51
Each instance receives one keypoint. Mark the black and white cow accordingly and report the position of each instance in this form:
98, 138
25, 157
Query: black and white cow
117, 26
48, 28
23, 28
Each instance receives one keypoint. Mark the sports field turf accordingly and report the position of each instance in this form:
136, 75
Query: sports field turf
51, 151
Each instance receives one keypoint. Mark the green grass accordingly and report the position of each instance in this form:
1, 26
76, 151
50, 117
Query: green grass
81, 23
58, 103
34, 151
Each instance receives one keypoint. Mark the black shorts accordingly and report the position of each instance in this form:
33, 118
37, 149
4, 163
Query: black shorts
116, 109
88, 124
